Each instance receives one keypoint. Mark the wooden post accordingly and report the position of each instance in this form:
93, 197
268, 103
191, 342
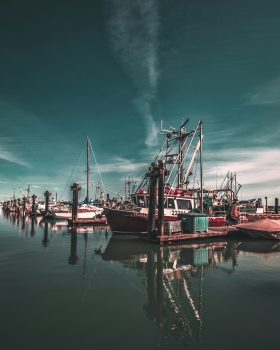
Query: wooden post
276, 210
161, 182
47, 195
75, 188
152, 200
33, 204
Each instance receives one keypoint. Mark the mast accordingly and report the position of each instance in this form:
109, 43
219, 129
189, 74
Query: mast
180, 165
201, 167
87, 170
182, 136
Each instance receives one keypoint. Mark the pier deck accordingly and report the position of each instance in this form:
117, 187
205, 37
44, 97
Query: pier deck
96, 221
182, 236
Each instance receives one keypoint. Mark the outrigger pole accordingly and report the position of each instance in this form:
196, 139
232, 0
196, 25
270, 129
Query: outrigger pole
201, 166
87, 171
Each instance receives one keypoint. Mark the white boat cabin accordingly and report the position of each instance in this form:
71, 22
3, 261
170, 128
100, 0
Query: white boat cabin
173, 204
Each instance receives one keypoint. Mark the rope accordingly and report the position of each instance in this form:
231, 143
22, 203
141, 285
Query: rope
98, 170
71, 175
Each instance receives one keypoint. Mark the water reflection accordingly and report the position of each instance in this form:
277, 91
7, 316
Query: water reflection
174, 277
45, 240
73, 258
102, 239
178, 280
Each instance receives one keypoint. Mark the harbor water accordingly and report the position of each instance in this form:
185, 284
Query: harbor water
90, 289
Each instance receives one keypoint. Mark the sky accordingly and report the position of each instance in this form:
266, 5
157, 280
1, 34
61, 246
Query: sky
113, 69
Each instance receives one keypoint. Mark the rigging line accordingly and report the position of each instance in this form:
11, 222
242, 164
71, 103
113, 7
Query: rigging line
100, 177
177, 307
96, 184
183, 158
156, 157
192, 304
184, 155
71, 174
195, 172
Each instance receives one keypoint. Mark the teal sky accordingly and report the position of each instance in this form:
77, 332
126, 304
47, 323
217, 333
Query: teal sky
113, 69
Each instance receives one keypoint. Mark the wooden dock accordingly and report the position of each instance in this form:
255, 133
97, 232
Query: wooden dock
219, 232
85, 222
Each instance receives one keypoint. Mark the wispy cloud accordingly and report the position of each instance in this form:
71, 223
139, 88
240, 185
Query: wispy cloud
122, 165
134, 29
257, 169
10, 157
266, 94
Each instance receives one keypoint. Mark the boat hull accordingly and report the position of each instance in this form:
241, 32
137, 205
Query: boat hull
259, 234
126, 222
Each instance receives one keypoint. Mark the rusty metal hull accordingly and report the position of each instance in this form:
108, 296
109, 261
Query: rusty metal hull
126, 222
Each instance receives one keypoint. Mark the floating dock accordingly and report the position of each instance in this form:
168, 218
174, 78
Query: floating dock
84, 222
220, 232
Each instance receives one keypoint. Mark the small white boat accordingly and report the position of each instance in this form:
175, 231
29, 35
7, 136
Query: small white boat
85, 211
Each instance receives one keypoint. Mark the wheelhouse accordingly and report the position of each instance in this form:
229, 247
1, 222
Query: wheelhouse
171, 202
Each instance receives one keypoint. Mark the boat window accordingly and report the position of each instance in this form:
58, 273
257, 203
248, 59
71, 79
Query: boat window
184, 204
169, 203
141, 201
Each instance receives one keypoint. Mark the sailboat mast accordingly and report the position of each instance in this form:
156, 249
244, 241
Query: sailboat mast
180, 165
201, 168
87, 169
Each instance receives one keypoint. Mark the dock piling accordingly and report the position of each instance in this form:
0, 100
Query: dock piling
161, 183
47, 195
156, 174
152, 199
33, 208
276, 207
75, 188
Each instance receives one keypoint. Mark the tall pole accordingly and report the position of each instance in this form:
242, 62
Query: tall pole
87, 169
179, 183
161, 182
201, 167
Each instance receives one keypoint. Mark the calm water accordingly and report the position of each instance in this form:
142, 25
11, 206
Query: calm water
61, 290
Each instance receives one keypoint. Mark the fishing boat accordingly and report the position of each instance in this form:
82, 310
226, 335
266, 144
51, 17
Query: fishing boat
132, 216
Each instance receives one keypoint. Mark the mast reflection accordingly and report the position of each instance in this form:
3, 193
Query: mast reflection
174, 279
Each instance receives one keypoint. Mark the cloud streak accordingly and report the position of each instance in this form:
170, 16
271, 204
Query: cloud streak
10, 157
133, 30
266, 94
122, 165
257, 169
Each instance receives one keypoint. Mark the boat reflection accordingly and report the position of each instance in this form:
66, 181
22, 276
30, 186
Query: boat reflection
101, 234
174, 278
